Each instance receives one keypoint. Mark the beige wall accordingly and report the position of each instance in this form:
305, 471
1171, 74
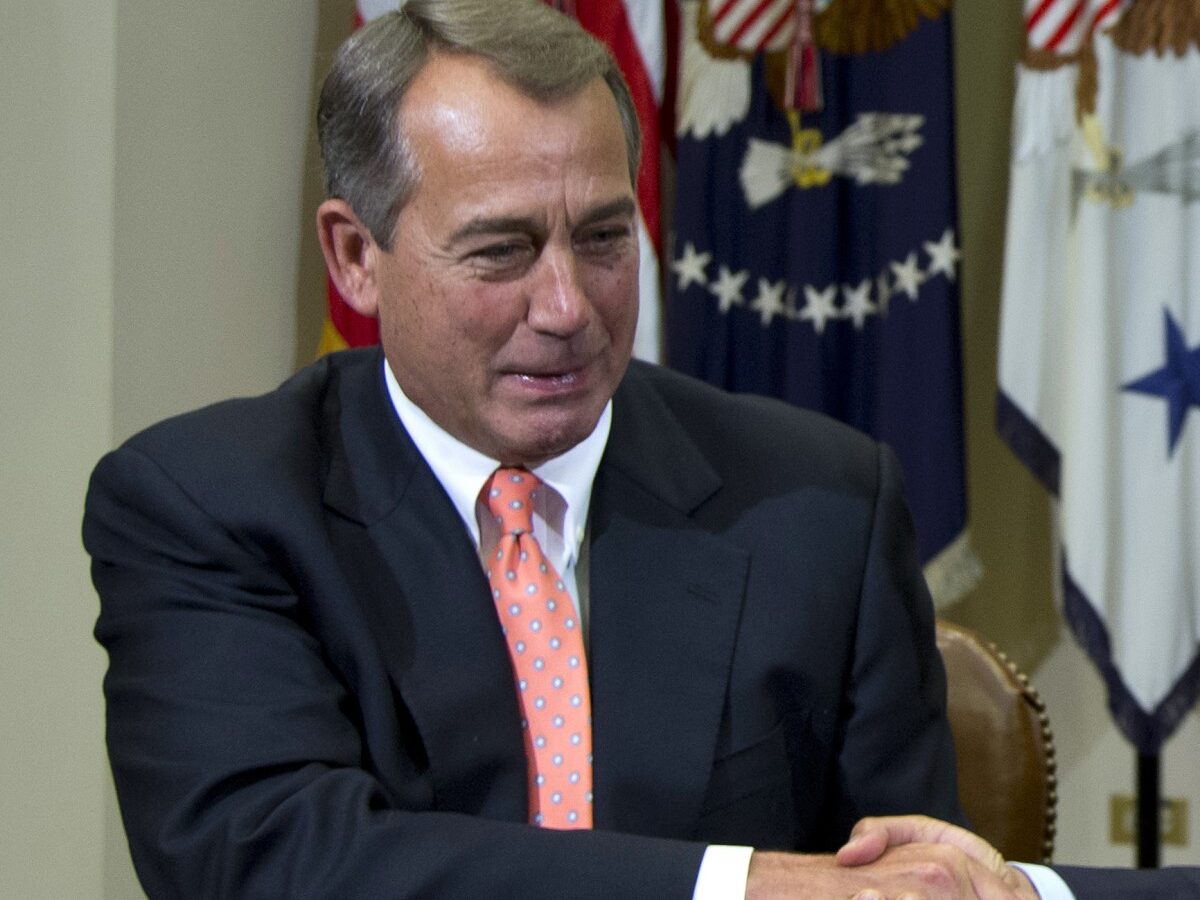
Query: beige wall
157, 254
56, 163
212, 105
150, 248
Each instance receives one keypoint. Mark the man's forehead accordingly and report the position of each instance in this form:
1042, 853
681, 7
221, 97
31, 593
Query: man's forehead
458, 107
447, 74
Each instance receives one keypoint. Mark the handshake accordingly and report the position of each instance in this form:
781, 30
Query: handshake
893, 858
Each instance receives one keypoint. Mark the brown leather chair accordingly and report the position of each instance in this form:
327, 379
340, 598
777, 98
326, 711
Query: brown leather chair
1006, 764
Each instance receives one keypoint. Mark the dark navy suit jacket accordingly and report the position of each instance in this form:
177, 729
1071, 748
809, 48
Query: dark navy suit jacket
309, 694
1171, 883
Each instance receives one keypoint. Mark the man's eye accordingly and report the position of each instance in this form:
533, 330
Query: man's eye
503, 258
499, 252
606, 238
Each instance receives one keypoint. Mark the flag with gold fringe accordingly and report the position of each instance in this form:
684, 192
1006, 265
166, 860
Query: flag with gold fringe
816, 251
1100, 335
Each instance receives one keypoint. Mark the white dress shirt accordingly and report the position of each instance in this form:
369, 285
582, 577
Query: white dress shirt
559, 524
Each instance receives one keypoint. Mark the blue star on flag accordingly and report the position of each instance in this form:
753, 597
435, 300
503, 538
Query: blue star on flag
1177, 382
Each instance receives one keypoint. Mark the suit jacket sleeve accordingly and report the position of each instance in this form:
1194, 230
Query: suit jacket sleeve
1126, 884
898, 754
237, 750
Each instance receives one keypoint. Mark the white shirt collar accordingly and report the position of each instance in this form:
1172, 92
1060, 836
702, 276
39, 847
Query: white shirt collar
463, 470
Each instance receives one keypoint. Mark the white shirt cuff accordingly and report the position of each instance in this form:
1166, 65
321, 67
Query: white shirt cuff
1046, 882
723, 873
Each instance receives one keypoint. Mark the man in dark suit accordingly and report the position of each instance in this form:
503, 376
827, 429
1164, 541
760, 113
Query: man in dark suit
310, 691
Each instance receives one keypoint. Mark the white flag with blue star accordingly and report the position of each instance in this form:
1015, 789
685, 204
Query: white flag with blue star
1100, 359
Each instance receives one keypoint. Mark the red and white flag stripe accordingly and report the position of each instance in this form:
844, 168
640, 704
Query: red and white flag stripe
1063, 26
753, 26
642, 35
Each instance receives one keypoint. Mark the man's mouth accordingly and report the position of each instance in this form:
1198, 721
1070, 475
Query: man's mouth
564, 379
550, 382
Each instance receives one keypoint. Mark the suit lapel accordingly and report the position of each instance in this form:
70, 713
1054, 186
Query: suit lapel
425, 597
665, 598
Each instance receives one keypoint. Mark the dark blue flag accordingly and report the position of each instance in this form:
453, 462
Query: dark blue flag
815, 254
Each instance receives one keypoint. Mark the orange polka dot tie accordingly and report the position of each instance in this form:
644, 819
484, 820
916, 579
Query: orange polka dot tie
545, 642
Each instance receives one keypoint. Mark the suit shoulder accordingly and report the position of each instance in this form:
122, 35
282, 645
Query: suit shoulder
749, 431
256, 440
274, 415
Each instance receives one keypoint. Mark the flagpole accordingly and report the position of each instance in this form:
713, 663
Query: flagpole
1149, 801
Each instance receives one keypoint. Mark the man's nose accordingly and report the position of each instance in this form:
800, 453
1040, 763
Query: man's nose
559, 304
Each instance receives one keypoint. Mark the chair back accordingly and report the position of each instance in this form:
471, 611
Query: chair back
1006, 764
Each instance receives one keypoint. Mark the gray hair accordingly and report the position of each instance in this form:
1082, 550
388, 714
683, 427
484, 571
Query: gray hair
367, 158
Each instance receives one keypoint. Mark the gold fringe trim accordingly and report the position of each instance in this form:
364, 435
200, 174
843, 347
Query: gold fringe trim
1158, 25
1046, 60
1146, 25
954, 572
868, 26
704, 31
846, 26
1087, 85
861, 26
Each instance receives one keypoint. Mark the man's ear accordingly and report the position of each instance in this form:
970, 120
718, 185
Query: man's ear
350, 255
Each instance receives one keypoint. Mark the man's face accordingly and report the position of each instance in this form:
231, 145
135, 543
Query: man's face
508, 302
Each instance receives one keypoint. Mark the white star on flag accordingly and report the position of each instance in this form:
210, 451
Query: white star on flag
691, 267
908, 277
728, 288
858, 303
769, 302
943, 256
819, 306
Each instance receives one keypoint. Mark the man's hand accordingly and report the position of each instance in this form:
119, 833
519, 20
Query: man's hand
910, 871
870, 838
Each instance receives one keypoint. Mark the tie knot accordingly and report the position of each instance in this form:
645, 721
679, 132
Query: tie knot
509, 495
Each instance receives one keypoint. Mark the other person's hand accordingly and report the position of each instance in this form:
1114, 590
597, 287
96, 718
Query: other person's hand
872, 837
906, 871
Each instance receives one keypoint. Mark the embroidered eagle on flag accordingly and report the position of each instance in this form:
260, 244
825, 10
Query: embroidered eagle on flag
722, 37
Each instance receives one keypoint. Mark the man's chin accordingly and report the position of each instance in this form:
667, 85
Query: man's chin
544, 438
